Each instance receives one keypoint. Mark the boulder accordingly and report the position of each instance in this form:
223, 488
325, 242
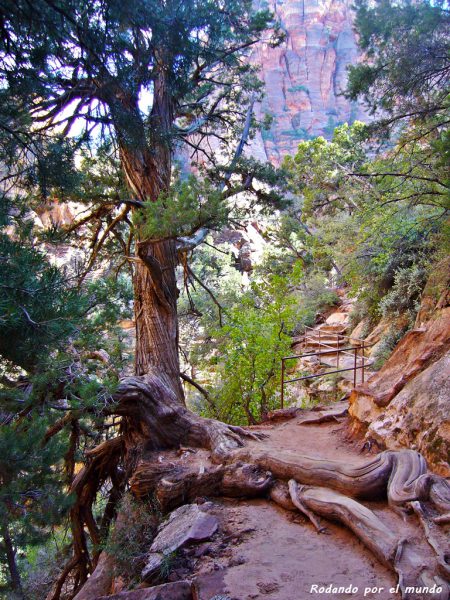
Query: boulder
153, 564
185, 525
358, 332
337, 318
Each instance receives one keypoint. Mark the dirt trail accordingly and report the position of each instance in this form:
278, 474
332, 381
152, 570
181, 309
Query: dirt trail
266, 552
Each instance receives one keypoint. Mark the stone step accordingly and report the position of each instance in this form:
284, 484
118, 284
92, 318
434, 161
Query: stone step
322, 343
336, 328
325, 337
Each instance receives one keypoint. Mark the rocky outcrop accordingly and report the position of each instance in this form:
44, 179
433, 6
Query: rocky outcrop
305, 76
186, 525
407, 402
419, 417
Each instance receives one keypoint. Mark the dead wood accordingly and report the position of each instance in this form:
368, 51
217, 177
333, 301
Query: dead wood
363, 522
401, 476
154, 419
297, 502
173, 485
392, 550
438, 539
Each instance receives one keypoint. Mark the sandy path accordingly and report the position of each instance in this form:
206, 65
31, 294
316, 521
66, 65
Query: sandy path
282, 558
266, 552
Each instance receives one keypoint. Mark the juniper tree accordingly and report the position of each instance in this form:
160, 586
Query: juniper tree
151, 77
66, 61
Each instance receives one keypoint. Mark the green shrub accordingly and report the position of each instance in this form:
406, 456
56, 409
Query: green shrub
249, 349
314, 296
404, 296
132, 536
386, 346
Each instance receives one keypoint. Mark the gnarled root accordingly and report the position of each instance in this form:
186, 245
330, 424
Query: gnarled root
103, 461
435, 535
396, 553
154, 419
173, 485
402, 475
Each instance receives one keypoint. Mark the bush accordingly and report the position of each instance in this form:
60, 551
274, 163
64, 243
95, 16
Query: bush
250, 347
404, 296
386, 346
313, 298
131, 538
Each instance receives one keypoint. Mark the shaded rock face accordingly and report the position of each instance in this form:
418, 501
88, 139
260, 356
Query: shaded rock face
407, 402
179, 590
305, 76
419, 416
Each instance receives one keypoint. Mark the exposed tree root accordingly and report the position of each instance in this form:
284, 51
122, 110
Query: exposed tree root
294, 493
103, 461
156, 431
402, 475
173, 485
154, 419
435, 535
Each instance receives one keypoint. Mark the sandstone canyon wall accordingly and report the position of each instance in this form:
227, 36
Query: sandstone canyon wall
305, 76
406, 403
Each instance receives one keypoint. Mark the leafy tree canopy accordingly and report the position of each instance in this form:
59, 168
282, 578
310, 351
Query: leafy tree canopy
407, 68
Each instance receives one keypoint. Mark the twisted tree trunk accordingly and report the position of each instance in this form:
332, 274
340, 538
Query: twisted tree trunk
147, 172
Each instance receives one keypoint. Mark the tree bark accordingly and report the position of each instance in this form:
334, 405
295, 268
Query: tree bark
147, 169
155, 306
10, 552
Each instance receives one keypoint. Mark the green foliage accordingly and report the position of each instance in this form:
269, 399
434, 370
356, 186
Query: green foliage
50, 329
386, 346
131, 537
249, 350
314, 296
407, 47
167, 564
369, 224
188, 206
319, 168
404, 295
39, 310
32, 499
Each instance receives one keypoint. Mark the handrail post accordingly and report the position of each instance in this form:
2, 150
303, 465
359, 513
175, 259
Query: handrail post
362, 370
354, 368
282, 383
338, 350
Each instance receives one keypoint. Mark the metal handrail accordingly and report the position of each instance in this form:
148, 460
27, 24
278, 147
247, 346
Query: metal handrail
333, 350
337, 349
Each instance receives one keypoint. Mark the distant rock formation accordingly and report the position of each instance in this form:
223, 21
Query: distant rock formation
305, 76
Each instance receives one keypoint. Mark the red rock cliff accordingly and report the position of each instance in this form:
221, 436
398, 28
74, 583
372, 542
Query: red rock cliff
305, 76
